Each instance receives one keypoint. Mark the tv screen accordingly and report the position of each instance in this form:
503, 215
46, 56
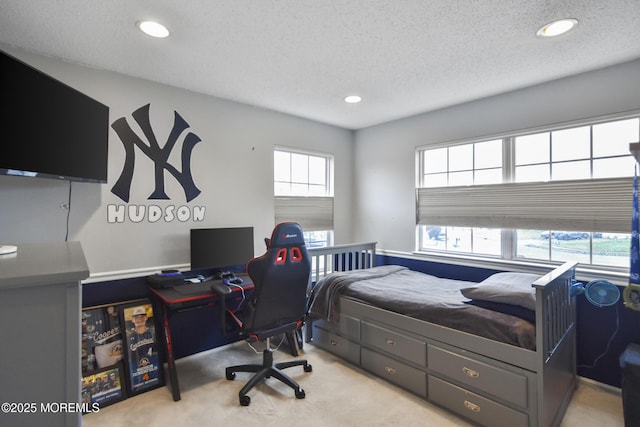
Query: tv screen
49, 129
221, 248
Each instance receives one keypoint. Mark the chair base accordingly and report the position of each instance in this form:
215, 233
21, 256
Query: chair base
266, 370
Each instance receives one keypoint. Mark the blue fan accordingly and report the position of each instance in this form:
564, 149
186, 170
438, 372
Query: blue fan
600, 293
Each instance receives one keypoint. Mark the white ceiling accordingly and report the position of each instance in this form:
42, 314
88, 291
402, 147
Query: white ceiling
303, 57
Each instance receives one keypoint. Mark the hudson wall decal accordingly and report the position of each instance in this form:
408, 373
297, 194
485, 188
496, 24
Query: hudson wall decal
159, 155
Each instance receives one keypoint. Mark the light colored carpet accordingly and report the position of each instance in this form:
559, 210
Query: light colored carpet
337, 394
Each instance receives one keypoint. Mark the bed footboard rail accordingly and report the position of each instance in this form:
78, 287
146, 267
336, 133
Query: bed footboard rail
555, 343
355, 256
555, 309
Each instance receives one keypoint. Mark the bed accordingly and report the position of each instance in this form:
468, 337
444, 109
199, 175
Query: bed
458, 344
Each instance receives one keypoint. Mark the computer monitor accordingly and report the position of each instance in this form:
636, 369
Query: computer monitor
221, 248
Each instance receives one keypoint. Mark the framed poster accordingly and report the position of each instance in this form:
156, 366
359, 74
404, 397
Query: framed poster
103, 387
142, 361
101, 337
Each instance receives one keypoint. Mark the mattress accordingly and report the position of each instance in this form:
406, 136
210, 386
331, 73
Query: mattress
422, 296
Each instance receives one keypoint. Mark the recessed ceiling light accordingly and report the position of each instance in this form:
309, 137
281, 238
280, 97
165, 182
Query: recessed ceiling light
556, 28
352, 99
153, 29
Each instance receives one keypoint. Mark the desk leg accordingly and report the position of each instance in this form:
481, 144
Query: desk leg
293, 342
173, 374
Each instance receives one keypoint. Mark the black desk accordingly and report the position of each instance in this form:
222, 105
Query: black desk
170, 301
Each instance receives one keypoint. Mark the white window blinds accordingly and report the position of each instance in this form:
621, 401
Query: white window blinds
584, 205
312, 213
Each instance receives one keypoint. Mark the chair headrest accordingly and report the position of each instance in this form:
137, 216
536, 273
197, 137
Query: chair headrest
287, 234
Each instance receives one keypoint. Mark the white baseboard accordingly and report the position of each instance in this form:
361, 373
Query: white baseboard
128, 274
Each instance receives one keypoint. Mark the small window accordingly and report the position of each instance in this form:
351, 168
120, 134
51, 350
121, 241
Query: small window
301, 174
303, 186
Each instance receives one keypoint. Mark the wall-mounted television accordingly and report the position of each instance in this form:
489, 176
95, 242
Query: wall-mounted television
221, 248
49, 129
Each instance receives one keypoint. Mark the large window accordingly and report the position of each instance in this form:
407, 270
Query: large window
597, 151
562, 194
303, 189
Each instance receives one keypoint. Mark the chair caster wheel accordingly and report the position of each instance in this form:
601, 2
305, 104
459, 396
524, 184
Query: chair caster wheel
245, 400
230, 375
308, 368
300, 393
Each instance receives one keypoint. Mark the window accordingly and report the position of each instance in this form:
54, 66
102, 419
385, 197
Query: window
303, 189
462, 239
475, 163
598, 151
562, 194
468, 164
300, 174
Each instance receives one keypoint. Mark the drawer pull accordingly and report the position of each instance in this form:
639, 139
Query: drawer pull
470, 372
390, 341
333, 343
390, 370
471, 406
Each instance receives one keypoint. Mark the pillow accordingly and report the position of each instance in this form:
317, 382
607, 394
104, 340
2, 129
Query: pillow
513, 310
506, 288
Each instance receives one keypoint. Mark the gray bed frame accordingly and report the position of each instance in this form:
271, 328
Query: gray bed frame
482, 380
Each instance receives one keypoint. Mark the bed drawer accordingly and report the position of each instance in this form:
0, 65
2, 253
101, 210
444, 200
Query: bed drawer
336, 344
510, 386
347, 327
473, 406
395, 372
407, 348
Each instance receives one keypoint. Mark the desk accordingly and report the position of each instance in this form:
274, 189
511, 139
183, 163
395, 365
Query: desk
40, 297
169, 302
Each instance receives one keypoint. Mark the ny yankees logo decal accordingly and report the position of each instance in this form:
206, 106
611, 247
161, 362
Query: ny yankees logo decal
159, 155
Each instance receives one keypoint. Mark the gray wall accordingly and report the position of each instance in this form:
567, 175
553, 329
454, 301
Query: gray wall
374, 175
385, 154
232, 165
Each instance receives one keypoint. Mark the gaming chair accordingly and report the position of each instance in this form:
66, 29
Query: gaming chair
276, 306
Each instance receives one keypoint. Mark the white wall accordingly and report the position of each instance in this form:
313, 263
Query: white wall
385, 154
232, 165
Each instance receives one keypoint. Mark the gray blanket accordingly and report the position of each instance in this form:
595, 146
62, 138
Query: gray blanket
418, 295
326, 293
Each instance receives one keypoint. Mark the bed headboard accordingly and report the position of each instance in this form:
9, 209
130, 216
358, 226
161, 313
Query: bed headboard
356, 256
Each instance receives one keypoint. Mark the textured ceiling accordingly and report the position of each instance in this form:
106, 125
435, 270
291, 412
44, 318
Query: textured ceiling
302, 57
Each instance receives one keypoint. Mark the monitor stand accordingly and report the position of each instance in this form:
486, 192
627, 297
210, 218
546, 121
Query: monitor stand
8, 249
